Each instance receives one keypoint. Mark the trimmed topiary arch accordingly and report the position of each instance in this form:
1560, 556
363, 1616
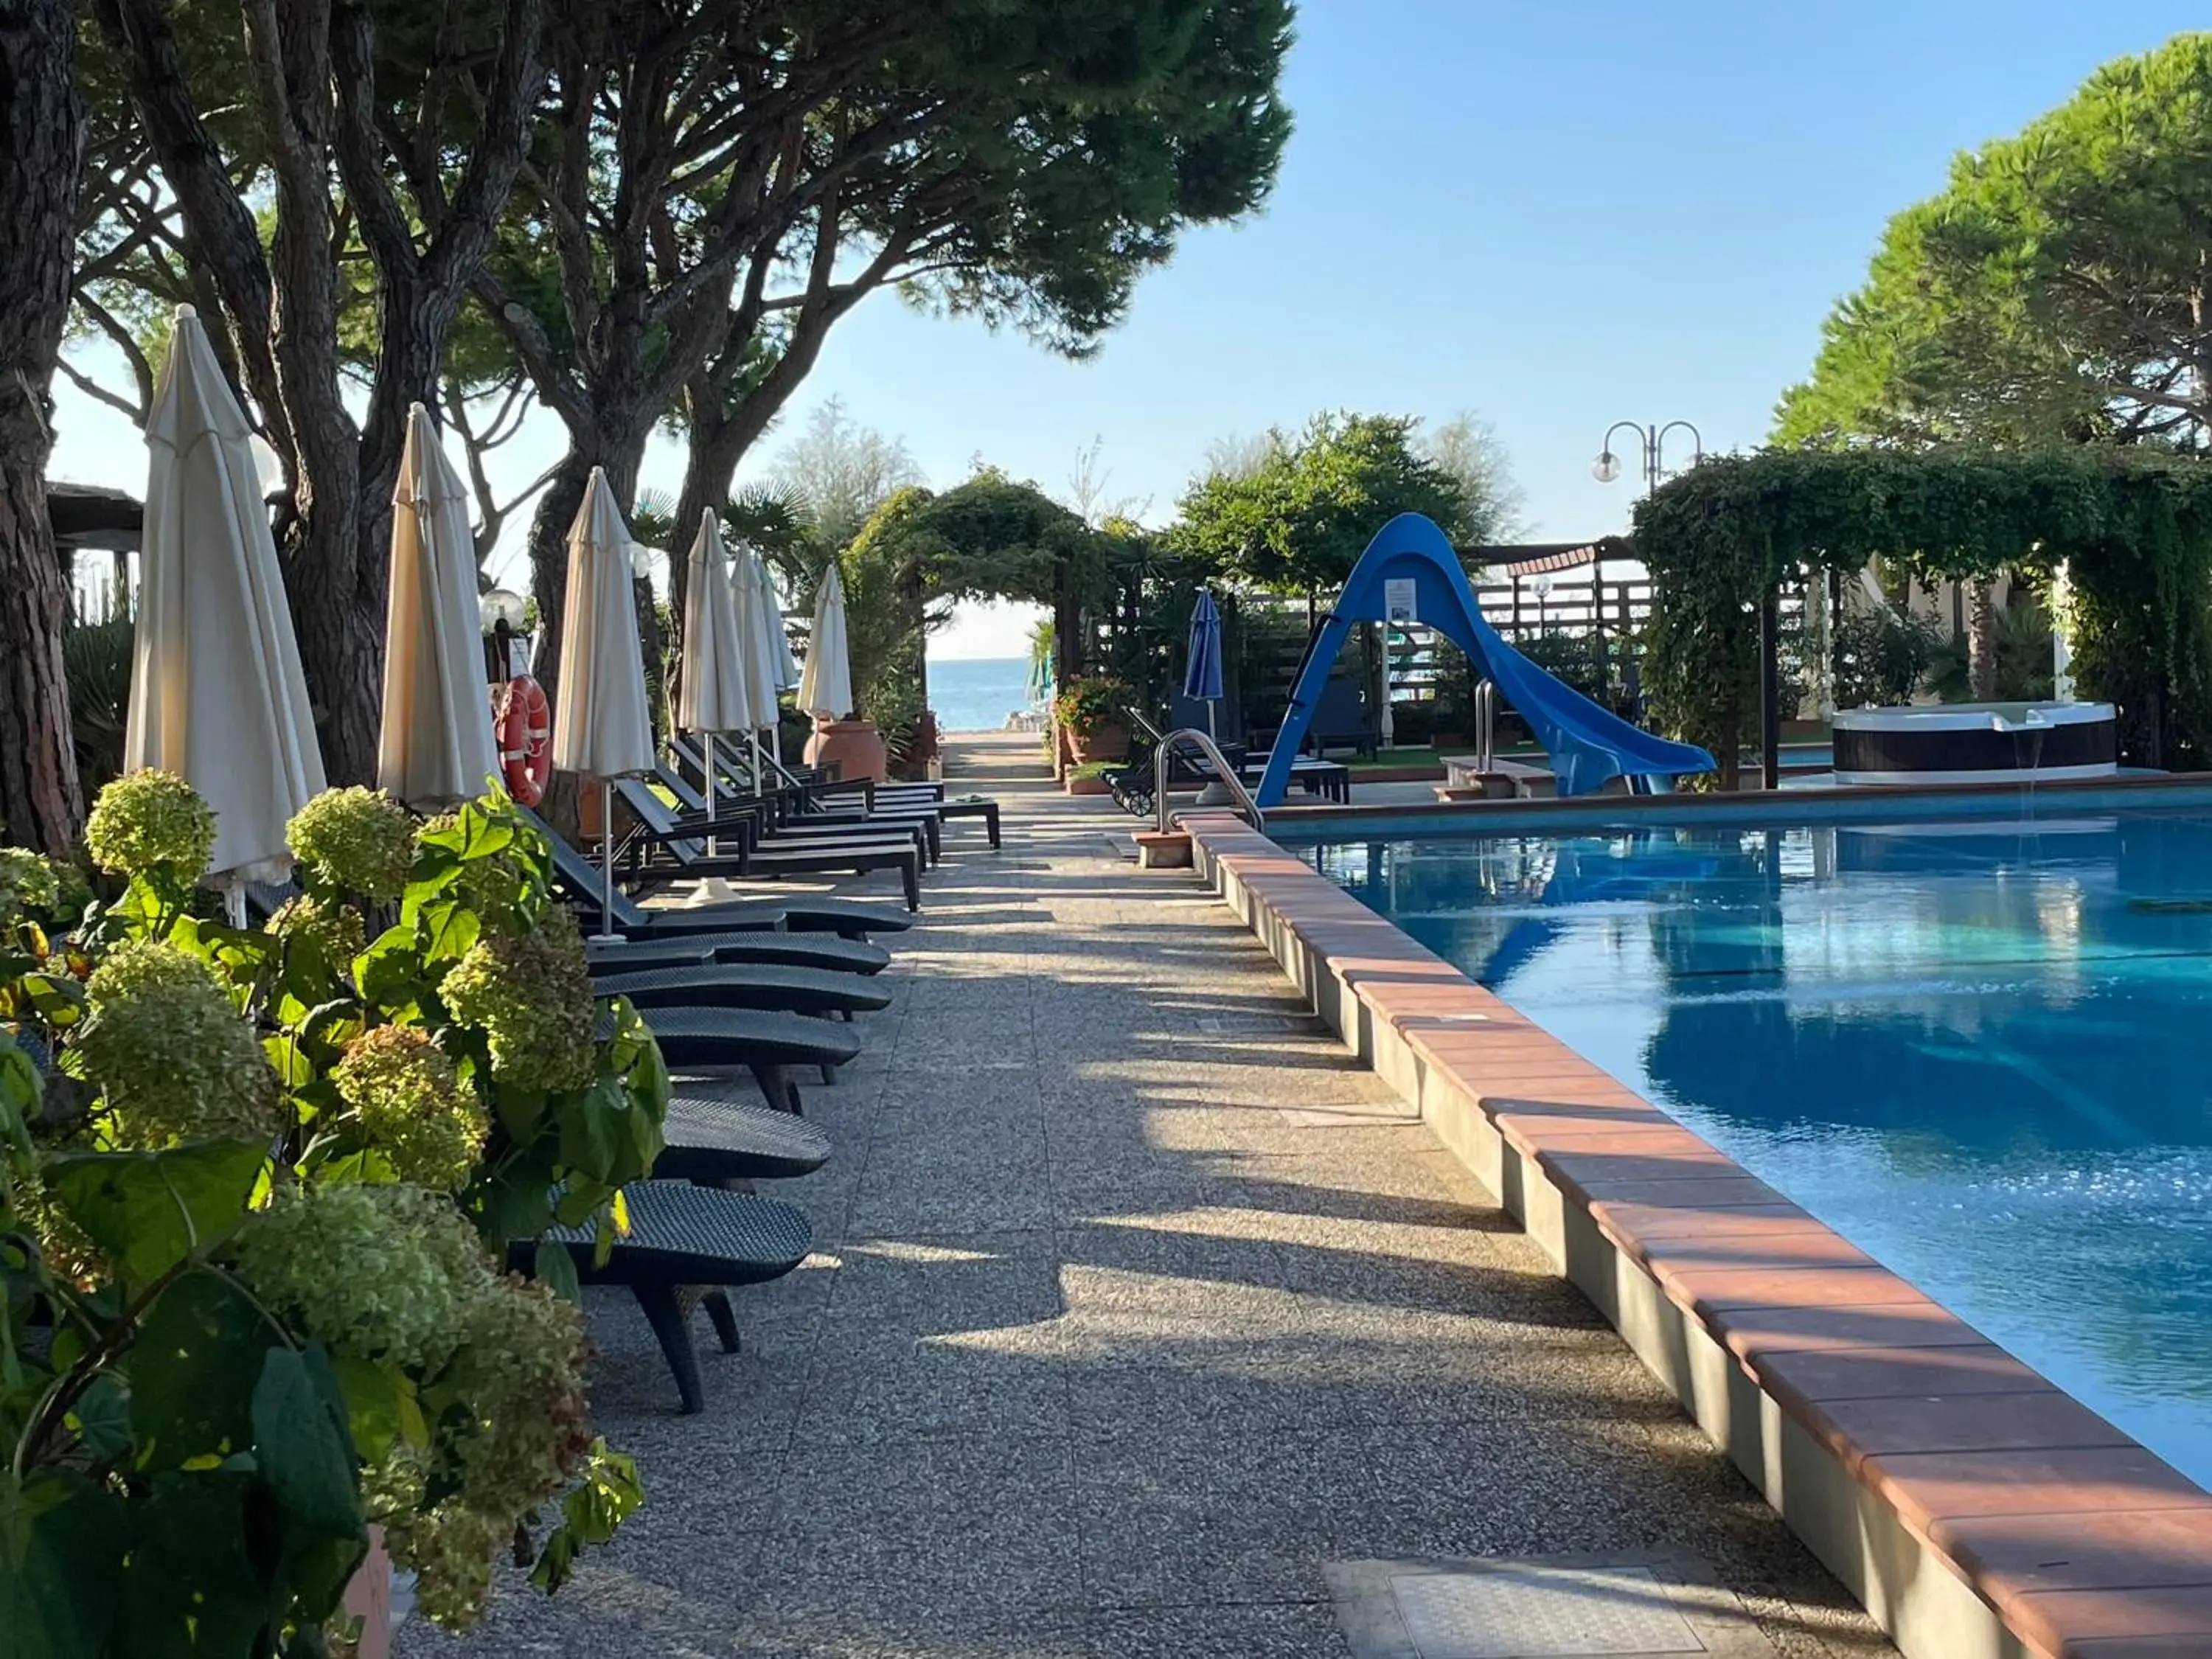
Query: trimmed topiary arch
2132, 527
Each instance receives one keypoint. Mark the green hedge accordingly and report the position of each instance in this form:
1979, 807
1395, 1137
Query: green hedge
2133, 527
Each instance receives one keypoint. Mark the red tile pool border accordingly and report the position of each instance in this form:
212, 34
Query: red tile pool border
1978, 1510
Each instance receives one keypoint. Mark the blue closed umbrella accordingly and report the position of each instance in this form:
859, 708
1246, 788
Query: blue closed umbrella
1201, 677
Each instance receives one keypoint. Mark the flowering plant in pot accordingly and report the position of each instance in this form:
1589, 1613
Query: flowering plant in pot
1089, 710
258, 1188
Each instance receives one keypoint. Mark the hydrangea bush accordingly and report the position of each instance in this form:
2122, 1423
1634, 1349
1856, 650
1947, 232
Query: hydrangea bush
151, 821
258, 1191
163, 1042
353, 840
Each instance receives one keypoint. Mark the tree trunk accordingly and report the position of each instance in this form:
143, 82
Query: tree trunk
333, 580
41, 167
710, 462
1982, 641
620, 453
549, 562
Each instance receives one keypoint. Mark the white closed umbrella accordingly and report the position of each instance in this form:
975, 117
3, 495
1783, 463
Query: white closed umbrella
711, 692
435, 746
601, 727
779, 639
216, 693
825, 688
760, 627
786, 670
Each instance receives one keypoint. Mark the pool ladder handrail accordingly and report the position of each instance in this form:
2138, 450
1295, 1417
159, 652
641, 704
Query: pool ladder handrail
1225, 774
1486, 726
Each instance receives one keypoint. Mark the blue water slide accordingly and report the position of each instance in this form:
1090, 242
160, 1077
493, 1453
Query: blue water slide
1411, 574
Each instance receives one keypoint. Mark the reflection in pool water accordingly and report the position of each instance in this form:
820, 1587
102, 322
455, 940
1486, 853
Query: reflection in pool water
1982, 1050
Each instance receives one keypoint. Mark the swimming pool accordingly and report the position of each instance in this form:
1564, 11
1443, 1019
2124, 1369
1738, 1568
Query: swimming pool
1979, 1047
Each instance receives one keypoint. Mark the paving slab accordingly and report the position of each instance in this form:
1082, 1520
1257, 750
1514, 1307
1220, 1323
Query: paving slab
1136, 1306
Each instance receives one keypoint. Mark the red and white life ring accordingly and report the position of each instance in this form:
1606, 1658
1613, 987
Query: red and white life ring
524, 726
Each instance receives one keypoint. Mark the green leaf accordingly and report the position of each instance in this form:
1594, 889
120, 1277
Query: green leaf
608, 1492
372, 1402
239, 955
435, 871
453, 927
389, 970
62, 1542
414, 1427
475, 834
56, 999
579, 1201
19, 1088
595, 1138
102, 1419
147, 1211
520, 1111
302, 1447
515, 1203
193, 1372
193, 1587
293, 1069
555, 1269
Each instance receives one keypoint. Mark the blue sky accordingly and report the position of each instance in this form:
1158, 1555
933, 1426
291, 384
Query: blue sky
1555, 216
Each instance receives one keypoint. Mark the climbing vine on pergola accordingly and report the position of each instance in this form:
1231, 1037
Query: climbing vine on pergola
2132, 527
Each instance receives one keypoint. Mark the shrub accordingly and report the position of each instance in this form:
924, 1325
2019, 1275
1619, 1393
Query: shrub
252, 1212
1090, 702
151, 821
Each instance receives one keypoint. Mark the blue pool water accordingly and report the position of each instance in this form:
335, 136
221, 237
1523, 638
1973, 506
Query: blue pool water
1977, 1049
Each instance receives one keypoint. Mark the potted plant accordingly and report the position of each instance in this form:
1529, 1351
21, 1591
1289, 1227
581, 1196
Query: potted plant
1089, 710
1089, 778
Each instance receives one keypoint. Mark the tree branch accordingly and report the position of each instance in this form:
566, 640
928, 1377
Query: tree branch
557, 389
111, 326
91, 388
226, 241
384, 224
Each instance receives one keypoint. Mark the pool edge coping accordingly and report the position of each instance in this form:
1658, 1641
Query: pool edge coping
1753, 1314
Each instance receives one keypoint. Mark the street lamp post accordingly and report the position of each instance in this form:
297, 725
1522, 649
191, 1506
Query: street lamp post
1651, 441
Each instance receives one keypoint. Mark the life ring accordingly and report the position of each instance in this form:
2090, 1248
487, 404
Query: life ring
525, 738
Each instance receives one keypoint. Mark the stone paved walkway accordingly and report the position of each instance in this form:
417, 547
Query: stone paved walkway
1135, 1301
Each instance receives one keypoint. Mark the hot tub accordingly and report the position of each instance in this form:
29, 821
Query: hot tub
1976, 743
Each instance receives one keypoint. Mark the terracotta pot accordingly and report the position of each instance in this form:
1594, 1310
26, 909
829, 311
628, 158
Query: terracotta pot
369, 1598
855, 748
1106, 741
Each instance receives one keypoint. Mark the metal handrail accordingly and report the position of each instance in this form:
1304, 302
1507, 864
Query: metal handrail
1486, 726
1225, 773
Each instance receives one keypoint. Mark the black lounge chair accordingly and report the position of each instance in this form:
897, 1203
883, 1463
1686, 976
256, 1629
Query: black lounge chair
844, 956
733, 1143
579, 878
746, 985
682, 1236
762, 1041
793, 810
815, 787
657, 831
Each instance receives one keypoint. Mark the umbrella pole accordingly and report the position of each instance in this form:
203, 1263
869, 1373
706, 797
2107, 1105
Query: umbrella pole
707, 741
760, 778
607, 860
